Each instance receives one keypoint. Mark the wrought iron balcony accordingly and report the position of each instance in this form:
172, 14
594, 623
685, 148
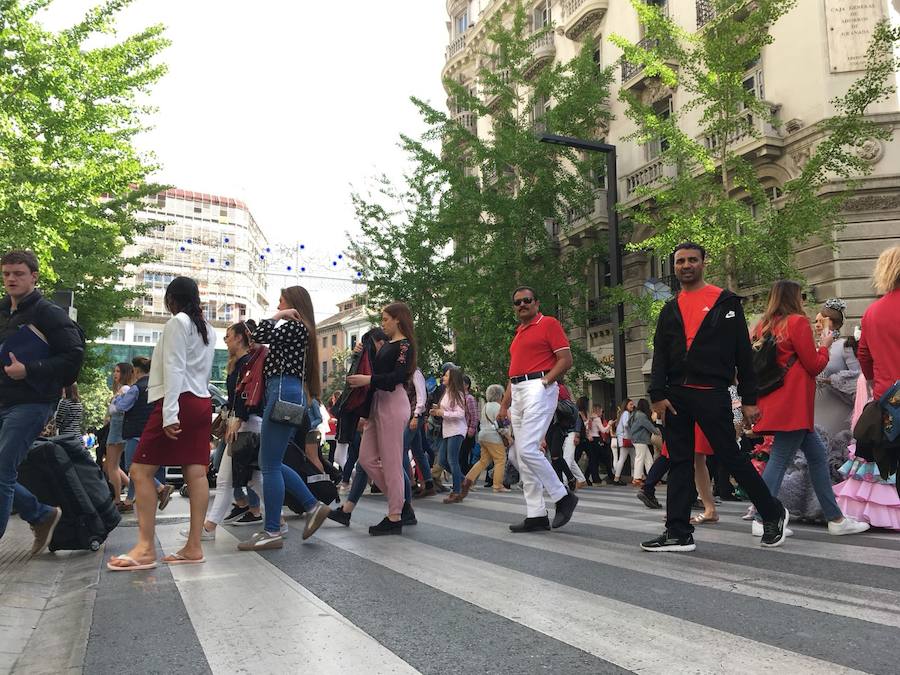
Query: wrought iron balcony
599, 313
706, 12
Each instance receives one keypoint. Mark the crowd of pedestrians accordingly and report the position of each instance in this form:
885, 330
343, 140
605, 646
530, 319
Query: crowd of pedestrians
727, 410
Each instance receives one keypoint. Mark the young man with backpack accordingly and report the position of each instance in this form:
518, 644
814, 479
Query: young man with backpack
701, 340
51, 351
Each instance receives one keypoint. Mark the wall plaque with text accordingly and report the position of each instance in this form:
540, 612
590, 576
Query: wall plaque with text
850, 25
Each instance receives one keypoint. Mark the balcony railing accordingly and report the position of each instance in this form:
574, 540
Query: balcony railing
456, 46
491, 94
543, 49
629, 69
467, 120
647, 175
757, 127
706, 12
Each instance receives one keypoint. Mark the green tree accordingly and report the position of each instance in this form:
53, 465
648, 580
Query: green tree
714, 195
71, 179
503, 199
401, 260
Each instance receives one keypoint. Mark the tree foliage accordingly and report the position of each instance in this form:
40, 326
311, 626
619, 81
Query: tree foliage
498, 202
71, 179
715, 195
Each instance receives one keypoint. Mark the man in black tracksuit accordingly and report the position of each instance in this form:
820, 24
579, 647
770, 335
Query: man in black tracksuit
30, 383
701, 341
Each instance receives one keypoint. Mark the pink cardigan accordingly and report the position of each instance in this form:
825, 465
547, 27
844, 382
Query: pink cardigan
454, 418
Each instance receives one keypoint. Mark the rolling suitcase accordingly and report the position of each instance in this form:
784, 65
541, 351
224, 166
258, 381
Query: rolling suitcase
60, 472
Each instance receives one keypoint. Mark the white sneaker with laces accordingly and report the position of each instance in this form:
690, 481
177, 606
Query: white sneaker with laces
205, 535
756, 529
847, 526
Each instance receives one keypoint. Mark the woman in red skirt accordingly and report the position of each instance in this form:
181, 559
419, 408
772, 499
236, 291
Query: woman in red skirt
178, 430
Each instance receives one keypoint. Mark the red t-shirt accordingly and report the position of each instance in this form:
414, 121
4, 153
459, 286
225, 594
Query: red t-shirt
694, 306
534, 347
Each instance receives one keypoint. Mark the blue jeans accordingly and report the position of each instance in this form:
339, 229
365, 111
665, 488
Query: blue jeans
451, 446
783, 449
412, 440
251, 496
352, 456
20, 424
273, 441
159, 477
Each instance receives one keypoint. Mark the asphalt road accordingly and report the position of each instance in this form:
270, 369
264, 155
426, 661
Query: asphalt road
460, 593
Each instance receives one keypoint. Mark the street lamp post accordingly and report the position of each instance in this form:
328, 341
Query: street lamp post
620, 384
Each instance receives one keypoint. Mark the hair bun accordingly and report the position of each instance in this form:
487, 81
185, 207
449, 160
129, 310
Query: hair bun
836, 304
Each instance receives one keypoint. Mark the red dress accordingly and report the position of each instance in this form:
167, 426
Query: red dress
791, 406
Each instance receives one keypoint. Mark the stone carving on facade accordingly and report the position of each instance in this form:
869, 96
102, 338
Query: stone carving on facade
655, 91
800, 157
873, 203
871, 150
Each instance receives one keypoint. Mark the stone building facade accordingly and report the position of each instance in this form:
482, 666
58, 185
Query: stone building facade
815, 56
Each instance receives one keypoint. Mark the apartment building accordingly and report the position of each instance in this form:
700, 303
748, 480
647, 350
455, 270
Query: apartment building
339, 333
816, 55
211, 238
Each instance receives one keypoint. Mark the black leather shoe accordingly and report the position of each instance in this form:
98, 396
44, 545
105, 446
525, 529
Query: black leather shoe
408, 516
538, 524
565, 507
340, 516
386, 526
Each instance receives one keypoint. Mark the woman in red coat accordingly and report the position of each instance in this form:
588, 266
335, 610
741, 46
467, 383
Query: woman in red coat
787, 412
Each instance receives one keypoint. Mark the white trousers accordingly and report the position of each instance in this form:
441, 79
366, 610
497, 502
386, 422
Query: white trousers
620, 454
224, 489
643, 460
341, 452
569, 456
530, 412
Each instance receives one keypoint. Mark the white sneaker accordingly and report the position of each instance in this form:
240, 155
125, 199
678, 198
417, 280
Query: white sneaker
750, 513
756, 529
847, 526
205, 535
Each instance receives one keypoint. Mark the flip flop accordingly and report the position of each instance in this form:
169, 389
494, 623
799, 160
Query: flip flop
703, 520
178, 559
132, 566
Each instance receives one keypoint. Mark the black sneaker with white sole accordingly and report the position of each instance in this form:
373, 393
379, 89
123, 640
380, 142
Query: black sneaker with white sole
665, 543
774, 531
247, 519
235, 513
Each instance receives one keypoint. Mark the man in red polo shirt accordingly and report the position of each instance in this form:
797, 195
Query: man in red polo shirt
539, 357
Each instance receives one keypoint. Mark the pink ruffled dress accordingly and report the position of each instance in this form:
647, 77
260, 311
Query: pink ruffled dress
864, 494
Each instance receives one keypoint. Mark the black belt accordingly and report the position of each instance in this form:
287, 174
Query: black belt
528, 376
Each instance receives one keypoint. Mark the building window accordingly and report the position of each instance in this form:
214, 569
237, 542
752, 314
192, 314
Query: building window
116, 335
144, 337
596, 54
461, 22
198, 209
334, 340
161, 201
657, 146
333, 365
324, 341
539, 110
542, 16
324, 370
352, 342
223, 212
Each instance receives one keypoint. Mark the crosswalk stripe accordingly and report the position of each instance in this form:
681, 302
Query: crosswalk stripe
590, 622
814, 549
856, 602
286, 626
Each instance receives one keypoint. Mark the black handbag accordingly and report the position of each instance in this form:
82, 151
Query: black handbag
287, 412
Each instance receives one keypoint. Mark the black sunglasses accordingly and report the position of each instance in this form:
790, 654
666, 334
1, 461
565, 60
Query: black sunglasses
527, 301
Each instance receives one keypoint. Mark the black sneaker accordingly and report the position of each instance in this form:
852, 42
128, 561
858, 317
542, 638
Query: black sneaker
247, 519
671, 544
565, 507
539, 524
236, 512
650, 501
386, 526
374, 489
340, 516
774, 531
408, 516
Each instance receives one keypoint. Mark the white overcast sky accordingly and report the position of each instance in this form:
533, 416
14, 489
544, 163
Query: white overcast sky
286, 104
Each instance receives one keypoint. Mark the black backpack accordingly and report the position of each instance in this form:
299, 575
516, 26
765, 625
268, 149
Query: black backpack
769, 373
566, 414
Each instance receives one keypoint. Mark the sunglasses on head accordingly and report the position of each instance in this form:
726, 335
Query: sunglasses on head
520, 301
